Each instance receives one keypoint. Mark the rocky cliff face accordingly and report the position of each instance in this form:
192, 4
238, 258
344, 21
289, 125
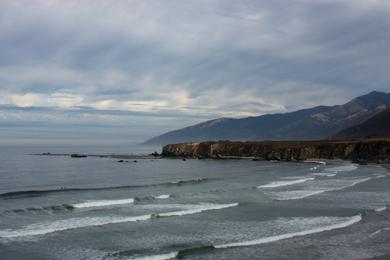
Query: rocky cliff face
356, 151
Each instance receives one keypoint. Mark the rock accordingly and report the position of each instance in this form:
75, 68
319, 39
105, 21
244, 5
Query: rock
155, 154
75, 155
361, 151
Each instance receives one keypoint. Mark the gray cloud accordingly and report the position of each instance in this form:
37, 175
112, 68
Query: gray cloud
189, 60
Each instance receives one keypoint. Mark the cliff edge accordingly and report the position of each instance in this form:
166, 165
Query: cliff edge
360, 151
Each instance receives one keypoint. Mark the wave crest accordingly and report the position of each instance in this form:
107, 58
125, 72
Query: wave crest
74, 223
300, 194
277, 184
348, 222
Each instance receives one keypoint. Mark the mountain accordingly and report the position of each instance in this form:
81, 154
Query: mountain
308, 124
377, 126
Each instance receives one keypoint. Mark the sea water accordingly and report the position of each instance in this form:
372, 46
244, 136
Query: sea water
57, 207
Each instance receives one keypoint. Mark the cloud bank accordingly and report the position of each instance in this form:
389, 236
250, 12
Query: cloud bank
166, 64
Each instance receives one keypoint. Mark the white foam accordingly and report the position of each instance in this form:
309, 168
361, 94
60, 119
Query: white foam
67, 224
163, 196
295, 195
378, 232
157, 257
103, 203
348, 222
375, 233
276, 184
107, 203
314, 161
300, 194
199, 209
380, 209
355, 182
342, 168
323, 174
74, 223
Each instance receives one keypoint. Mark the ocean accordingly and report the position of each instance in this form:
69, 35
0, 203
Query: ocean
57, 207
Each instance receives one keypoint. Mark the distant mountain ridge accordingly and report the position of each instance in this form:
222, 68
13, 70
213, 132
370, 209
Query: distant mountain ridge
307, 124
377, 126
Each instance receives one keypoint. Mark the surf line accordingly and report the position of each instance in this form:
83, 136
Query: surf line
75, 223
157, 257
277, 184
188, 251
265, 240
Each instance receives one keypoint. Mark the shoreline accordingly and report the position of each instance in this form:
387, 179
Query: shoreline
368, 151
357, 151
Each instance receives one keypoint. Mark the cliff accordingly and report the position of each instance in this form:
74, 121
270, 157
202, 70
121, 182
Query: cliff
361, 151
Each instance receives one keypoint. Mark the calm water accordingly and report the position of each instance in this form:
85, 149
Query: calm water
97, 208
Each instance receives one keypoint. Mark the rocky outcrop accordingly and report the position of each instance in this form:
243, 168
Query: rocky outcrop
361, 151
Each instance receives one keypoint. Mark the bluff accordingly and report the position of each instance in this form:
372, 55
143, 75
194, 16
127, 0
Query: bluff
315, 123
361, 151
376, 127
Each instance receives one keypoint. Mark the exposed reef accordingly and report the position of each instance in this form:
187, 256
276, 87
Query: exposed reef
360, 151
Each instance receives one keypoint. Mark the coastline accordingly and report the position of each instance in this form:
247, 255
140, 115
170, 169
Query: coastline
357, 151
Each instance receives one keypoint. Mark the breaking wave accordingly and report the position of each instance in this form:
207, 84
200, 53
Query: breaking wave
323, 174
102, 203
203, 207
108, 203
75, 223
342, 168
163, 196
314, 161
347, 222
277, 184
89, 204
380, 209
300, 194
157, 257
72, 223
329, 223
295, 195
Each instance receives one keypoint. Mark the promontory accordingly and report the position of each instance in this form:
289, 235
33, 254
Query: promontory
360, 151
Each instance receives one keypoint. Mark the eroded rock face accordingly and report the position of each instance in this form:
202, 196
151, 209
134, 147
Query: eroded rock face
357, 151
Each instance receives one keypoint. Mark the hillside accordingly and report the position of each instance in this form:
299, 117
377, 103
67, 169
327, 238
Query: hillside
308, 124
376, 127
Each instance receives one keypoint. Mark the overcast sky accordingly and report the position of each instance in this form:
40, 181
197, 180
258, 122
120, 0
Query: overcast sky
110, 71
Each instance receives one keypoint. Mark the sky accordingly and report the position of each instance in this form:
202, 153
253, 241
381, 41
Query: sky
123, 71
